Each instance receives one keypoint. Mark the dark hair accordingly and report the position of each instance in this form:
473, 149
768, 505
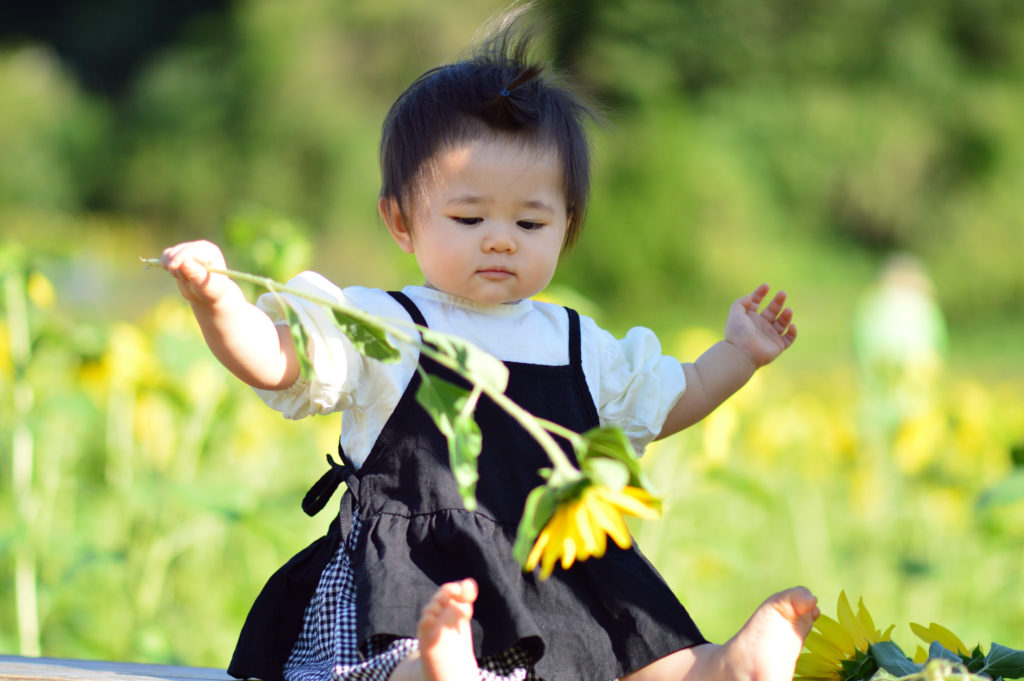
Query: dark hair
494, 92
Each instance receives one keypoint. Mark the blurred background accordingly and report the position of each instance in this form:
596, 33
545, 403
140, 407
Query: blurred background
867, 156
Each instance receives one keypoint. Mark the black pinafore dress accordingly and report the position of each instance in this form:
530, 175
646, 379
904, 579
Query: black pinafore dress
598, 620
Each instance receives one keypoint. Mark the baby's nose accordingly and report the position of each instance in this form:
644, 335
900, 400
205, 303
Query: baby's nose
499, 240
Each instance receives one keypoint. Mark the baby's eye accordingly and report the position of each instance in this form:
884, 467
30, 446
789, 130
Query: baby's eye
530, 225
467, 221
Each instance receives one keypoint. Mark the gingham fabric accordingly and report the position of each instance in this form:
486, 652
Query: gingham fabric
327, 649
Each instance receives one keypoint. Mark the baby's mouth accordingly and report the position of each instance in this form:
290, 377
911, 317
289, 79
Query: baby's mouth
496, 273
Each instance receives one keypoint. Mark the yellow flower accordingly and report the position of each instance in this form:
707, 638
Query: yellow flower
945, 637
833, 642
40, 291
580, 526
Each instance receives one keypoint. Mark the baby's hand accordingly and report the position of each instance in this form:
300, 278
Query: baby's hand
188, 263
762, 336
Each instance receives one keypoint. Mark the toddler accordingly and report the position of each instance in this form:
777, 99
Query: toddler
485, 169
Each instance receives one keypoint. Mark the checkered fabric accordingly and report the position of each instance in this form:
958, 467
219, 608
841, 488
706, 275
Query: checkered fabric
327, 649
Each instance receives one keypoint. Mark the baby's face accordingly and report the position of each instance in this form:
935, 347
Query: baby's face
489, 221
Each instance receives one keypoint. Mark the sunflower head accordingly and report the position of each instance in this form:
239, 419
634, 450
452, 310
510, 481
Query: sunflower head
837, 649
571, 517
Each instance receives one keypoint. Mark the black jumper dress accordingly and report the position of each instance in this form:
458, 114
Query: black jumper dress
598, 620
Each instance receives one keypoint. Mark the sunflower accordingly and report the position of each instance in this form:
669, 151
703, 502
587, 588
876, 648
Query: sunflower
837, 650
580, 526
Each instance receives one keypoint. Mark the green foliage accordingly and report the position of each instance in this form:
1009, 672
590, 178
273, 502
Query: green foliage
793, 141
301, 341
451, 409
368, 338
1000, 662
466, 358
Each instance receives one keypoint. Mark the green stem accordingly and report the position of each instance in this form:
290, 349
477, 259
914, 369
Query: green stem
26, 569
541, 430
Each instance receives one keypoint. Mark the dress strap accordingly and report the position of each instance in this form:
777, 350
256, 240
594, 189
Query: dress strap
409, 306
575, 342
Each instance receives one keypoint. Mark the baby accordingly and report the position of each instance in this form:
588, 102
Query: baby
485, 182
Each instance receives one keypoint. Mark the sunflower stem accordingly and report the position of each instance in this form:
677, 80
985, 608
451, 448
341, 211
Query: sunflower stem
540, 429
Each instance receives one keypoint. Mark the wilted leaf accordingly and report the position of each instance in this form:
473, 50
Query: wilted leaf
446, 404
478, 366
611, 443
301, 342
369, 338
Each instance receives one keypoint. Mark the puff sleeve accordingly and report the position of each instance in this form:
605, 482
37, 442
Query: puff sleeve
638, 385
338, 369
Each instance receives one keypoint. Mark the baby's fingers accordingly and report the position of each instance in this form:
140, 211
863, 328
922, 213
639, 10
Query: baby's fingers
774, 308
758, 295
789, 336
190, 264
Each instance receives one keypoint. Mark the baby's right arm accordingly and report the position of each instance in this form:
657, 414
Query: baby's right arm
241, 336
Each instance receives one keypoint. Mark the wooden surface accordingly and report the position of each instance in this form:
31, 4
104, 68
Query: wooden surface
54, 669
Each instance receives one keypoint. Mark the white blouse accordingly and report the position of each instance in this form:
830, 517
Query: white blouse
633, 385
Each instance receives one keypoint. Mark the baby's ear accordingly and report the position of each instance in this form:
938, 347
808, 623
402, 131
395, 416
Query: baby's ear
400, 230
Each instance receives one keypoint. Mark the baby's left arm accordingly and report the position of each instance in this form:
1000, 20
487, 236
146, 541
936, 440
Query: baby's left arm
752, 339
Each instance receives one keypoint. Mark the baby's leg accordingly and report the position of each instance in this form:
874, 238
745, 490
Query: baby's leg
765, 649
445, 638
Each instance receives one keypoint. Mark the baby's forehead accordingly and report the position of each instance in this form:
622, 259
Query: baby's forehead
509, 155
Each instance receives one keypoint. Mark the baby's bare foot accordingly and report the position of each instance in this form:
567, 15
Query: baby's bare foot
767, 646
445, 637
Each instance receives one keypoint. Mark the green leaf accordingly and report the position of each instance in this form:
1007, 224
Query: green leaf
463, 451
860, 668
1006, 491
447, 405
539, 508
936, 651
476, 365
610, 473
370, 338
889, 657
976, 661
611, 443
301, 342
1004, 662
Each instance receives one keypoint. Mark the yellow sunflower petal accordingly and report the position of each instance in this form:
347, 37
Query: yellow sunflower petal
570, 540
818, 645
937, 632
922, 632
649, 506
835, 633
851, 624
588, 540
601, 540
538, 548
554, 546
808, 665
887, 636
920, 655
864, 617
610, 520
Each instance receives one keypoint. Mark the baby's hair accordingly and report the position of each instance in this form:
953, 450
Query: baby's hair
496, 92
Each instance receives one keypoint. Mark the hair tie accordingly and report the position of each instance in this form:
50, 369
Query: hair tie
504, 92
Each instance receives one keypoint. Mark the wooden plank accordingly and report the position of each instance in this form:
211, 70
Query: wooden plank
14, 668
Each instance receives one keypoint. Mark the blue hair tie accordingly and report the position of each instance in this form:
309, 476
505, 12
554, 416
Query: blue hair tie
504, 92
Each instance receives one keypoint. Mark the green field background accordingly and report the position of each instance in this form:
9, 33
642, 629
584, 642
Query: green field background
867, 156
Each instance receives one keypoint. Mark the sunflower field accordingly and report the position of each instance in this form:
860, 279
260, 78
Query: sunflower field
866, 156
151, 494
